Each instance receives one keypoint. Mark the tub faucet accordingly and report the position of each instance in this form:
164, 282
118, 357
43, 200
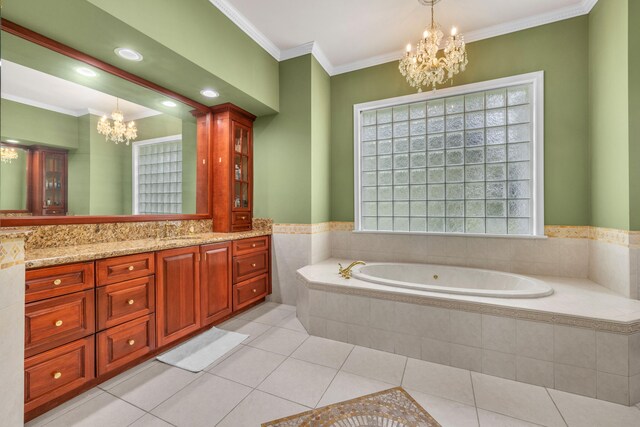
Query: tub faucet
346, 272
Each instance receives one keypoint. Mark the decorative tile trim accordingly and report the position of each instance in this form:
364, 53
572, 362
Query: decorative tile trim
625, 328
11, 252
342, 226
567, 231
321, 227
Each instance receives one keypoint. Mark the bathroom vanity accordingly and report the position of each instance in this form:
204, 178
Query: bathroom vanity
88, 321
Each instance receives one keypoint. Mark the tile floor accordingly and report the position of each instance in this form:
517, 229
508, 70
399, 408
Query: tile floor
280, 370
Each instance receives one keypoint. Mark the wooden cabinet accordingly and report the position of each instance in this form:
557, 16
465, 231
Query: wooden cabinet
233, 168
50, 282
178, 293
250, 291
125, 343
215, 282
49, 180
121, 302
113, 270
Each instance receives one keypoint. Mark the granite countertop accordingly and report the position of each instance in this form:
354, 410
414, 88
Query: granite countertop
13, 233
36, 258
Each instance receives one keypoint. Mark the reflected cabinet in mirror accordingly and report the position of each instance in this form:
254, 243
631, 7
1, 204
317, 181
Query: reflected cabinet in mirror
82, 140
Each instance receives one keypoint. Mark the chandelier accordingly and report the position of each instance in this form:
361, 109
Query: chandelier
117, 130
8, 154
424, 67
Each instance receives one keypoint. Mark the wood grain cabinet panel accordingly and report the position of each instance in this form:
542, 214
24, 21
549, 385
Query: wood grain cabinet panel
57, 321
125, 343
215, 282
51, 282
177, 293
248, 292
121, 302
248, 266
247, 246
114, 270
55, 372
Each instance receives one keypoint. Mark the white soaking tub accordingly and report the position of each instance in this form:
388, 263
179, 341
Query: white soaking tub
453, 280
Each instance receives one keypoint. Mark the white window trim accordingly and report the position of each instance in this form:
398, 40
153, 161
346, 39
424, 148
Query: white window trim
536, 79
134, 163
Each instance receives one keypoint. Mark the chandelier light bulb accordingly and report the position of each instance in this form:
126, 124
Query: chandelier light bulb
409, 48
454, 31
425, 34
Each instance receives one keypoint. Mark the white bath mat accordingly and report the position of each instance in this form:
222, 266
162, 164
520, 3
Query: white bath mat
201, 351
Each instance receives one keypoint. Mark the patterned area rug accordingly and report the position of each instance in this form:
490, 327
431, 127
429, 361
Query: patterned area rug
388, 408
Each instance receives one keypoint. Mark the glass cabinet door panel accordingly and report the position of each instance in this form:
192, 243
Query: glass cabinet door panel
245, 168
245, 142
245, 195
237, 138
238, 167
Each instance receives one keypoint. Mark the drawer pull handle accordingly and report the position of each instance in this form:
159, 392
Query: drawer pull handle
132, 342
58, 323
243, 217
57, 282
57, 375
130, 302
253, 246
131, 267
255, 291
253, 265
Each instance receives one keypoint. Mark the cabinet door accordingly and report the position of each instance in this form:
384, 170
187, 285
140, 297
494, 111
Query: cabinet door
177, 293
215, 282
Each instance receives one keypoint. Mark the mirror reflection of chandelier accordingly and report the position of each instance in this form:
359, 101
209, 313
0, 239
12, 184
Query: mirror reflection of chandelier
423, 67
8, 154
117, 130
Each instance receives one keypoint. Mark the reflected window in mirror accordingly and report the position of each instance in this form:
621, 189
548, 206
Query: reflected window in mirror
157, 176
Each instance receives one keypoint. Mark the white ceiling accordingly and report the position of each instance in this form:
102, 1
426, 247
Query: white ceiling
32, 87
346, 35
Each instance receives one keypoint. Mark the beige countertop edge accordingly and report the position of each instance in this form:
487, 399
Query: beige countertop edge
47, 257
13, 233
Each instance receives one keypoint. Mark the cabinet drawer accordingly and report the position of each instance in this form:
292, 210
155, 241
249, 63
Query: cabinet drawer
51, 282
240, 218
57, 321
247, 266
55, 372
125, 301
250, 291
123, 268
125, 343
247, 246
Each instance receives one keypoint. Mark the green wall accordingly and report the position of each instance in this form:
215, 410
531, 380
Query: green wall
560, 49
634, 115
320, 144
609, 114
13, 188
30, 124
282, 149
79, 165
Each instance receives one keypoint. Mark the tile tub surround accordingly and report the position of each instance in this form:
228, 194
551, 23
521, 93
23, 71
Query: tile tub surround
583, 339
12, 326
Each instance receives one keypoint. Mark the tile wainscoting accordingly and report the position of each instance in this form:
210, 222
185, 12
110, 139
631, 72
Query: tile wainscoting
608, 257
12, 326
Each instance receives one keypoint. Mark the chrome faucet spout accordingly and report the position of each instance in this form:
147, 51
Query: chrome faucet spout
346, 272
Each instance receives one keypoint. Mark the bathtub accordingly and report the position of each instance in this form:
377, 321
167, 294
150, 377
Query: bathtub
452, 280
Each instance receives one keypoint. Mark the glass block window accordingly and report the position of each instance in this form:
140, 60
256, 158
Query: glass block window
449, 164
157, 177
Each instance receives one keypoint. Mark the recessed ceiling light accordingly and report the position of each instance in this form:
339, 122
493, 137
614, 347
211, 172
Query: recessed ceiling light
129, 54
13, 141
209, 93
169, 103
87, 72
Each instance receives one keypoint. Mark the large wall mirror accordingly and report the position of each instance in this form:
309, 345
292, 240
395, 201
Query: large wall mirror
78, 140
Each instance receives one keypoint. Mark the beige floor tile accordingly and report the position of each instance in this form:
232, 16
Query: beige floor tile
581, 411
108, 385
64, 408
154, 385
299, 381
204, 402
346, 386
259, 407
292, 322
492, 419
248, 366
446, 412
323, 352
246, 327
150, 421
279, 340
376, 364
224, 357
439, 380
518, 400
104, 410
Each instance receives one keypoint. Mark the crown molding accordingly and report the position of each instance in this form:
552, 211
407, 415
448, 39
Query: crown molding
38, 104
582, 8
243, 23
